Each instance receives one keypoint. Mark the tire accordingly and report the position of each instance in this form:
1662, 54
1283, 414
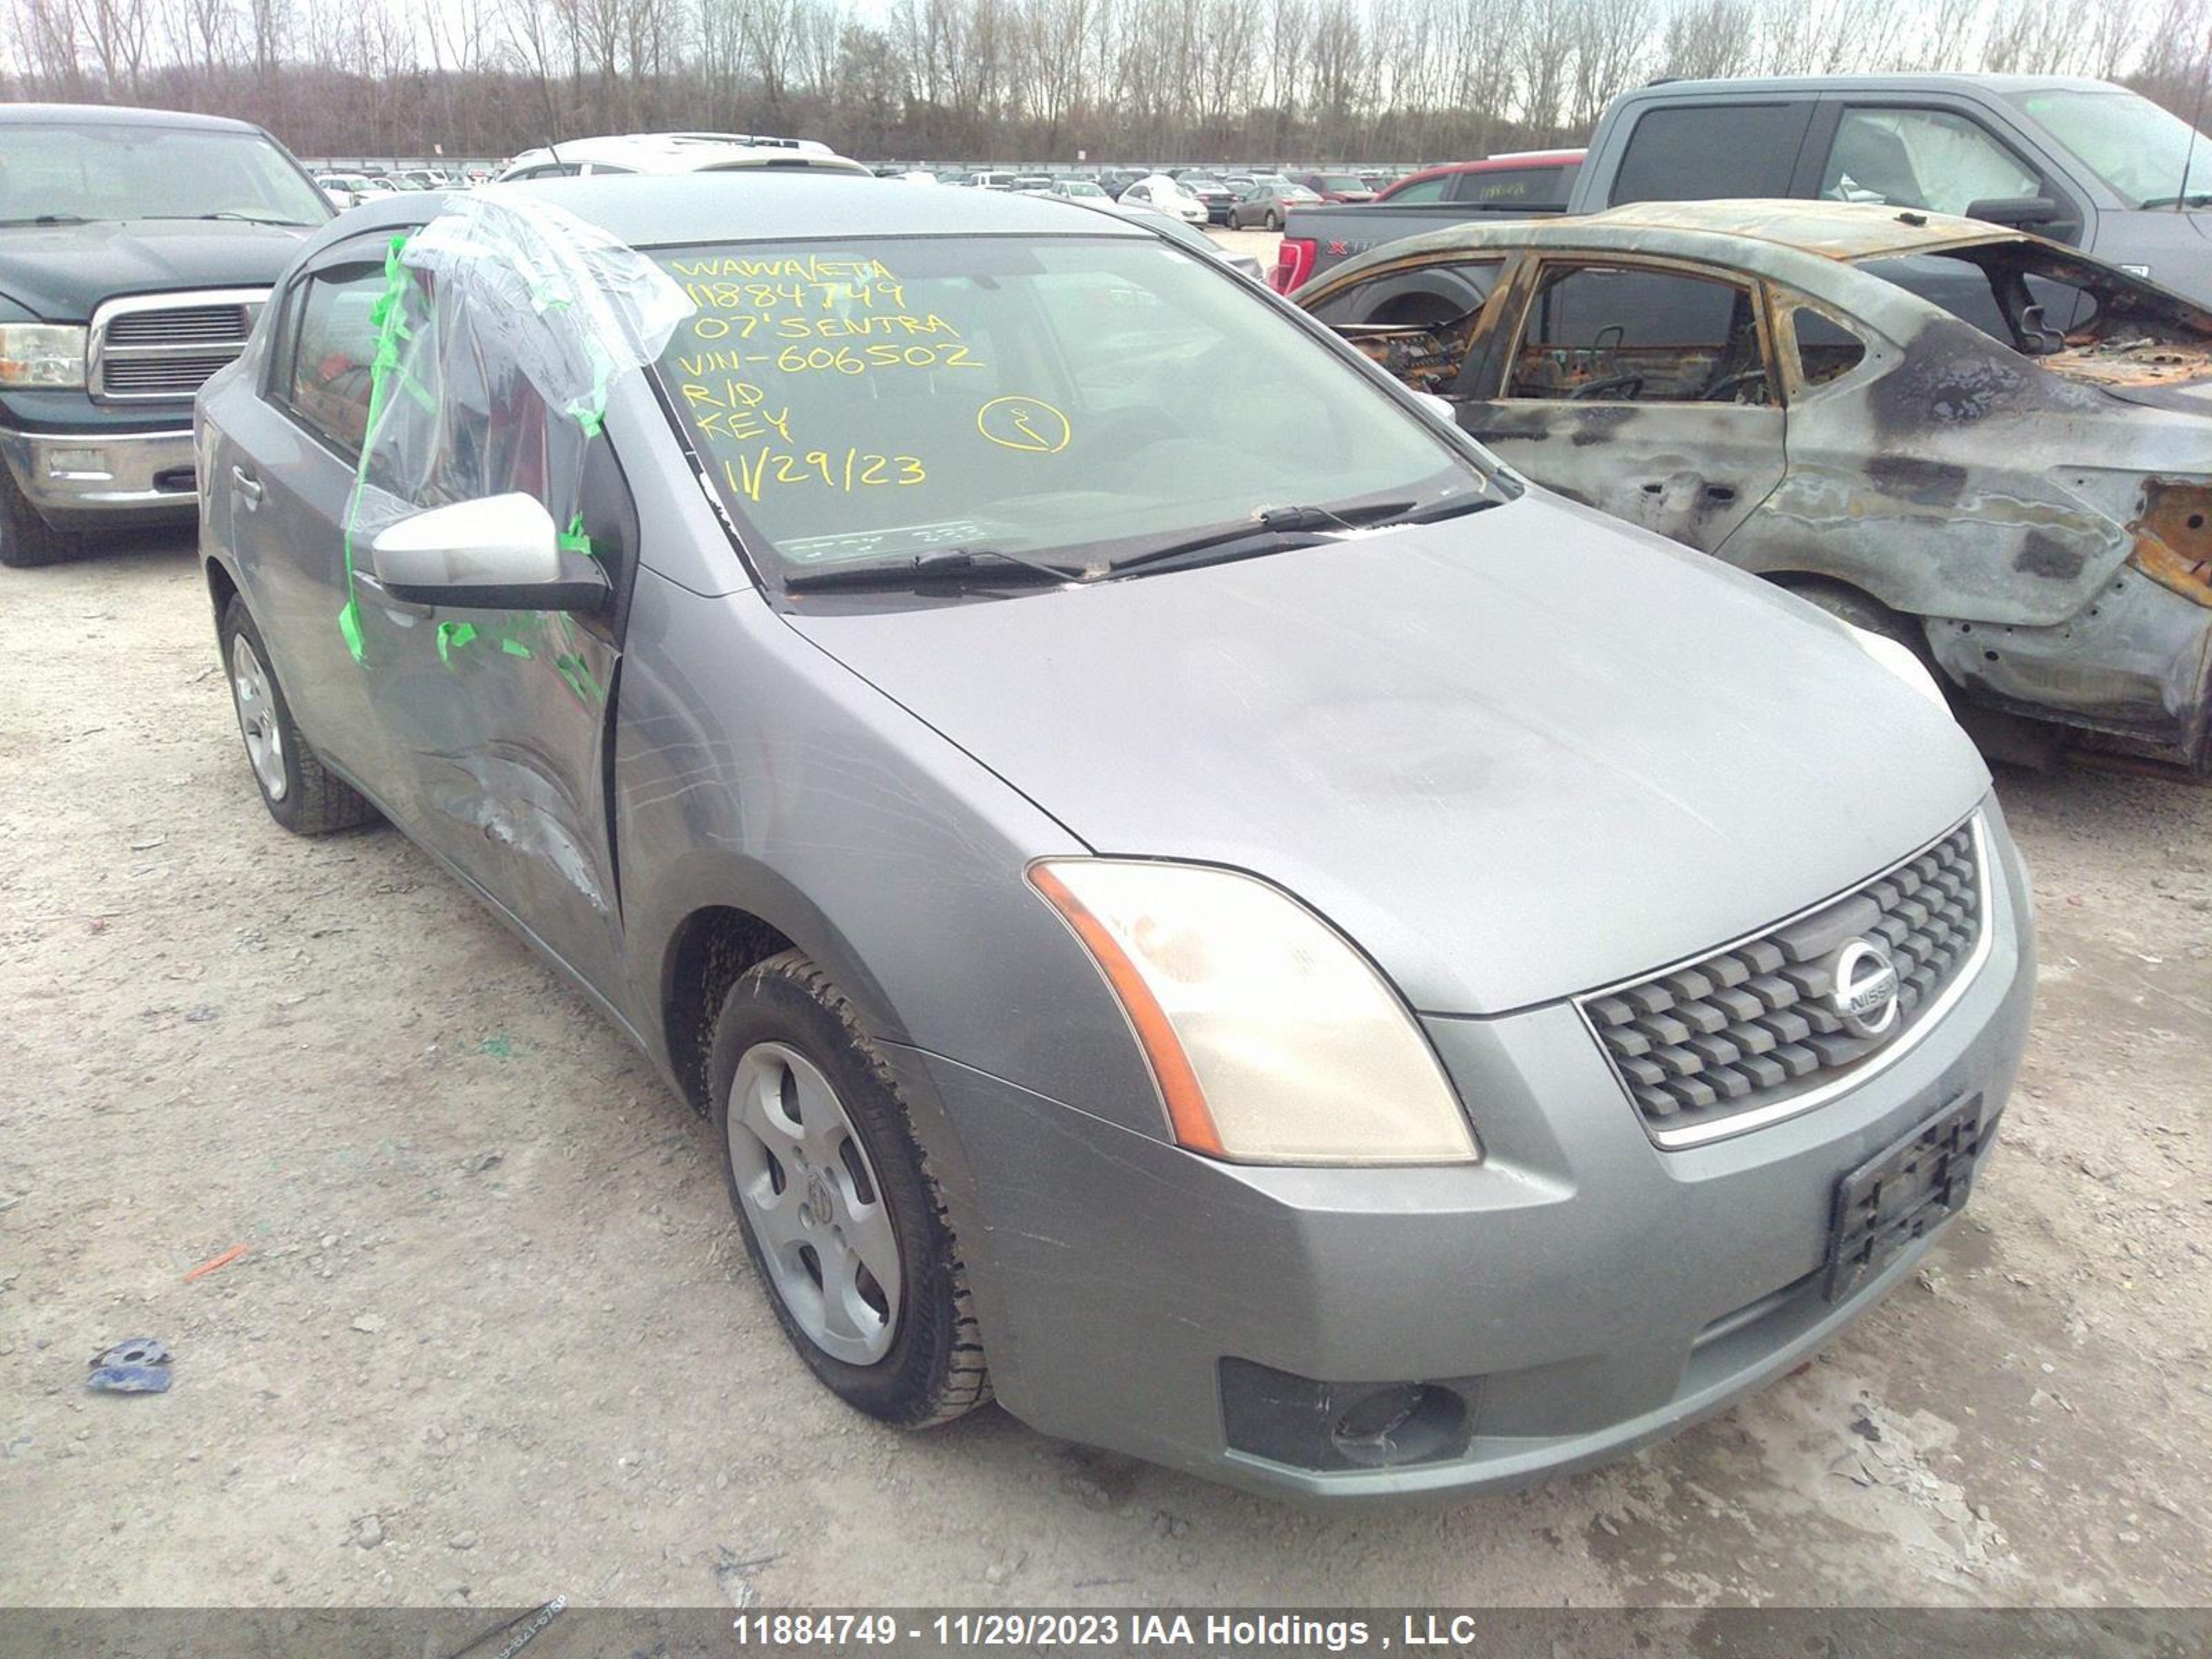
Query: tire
299, 792
912, 1355
1274, 222
27, 539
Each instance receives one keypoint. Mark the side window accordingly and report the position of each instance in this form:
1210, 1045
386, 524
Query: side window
1435, 296
1429, 190
1624, 334
1699, 153
333, 334
1920, 158
1827, 350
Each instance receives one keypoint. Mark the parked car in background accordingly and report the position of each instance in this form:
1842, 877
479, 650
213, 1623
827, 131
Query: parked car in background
1993, 449
1079, 189
1163, 195
1268, 206
1339, 187
1115, 180
1033, 184
137, 247
1487, 989
1211, 193
679, 152
2081, 161
1177, 230
1540, 180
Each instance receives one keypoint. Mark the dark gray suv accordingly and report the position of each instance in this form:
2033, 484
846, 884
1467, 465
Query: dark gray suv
1208, 910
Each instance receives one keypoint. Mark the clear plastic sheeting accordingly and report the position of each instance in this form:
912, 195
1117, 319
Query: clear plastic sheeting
503, 324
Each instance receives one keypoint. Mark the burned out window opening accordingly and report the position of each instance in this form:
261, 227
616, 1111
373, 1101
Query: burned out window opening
1632, 334
1827, 349
2081, 318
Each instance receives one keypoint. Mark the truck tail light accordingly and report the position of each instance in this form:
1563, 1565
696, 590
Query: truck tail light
1294, 262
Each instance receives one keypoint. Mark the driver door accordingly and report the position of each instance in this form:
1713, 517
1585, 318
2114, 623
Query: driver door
498, 719
1647, 391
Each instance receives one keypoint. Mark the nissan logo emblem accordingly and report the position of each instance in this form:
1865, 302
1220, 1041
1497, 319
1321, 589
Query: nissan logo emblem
1866, 986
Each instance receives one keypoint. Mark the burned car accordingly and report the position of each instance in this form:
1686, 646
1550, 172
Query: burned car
1991, 447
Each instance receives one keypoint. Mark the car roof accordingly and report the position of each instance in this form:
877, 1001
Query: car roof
117, 115
1929, 80
1717, 230
687, 152
672, 209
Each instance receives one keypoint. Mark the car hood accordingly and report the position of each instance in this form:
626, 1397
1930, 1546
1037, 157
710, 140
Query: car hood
1516, 756
59, 272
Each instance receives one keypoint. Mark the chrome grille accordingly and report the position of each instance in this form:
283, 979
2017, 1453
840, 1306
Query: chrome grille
150, 346
1751, 1033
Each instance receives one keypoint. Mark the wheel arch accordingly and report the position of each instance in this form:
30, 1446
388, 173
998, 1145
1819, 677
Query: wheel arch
730, 914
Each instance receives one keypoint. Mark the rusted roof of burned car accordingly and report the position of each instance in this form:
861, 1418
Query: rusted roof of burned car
1767, 237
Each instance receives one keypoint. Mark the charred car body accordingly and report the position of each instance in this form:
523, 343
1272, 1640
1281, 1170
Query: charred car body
1983, 444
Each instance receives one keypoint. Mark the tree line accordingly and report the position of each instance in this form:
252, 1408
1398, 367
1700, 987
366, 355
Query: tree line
1032, 80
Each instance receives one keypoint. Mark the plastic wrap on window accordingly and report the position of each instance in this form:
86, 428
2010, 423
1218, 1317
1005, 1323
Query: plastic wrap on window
503, 325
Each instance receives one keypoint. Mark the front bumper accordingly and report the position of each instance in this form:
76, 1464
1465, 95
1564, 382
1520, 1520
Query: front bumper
83, 480
1580, 1292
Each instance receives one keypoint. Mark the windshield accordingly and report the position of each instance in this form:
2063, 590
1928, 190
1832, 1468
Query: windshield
99, 172
1342, 181
1076, 399
1080, 188
2137, 149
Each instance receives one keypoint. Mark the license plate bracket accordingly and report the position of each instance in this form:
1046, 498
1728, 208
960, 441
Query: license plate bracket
1902, 1193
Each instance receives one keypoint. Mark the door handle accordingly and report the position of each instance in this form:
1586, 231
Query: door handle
246, 485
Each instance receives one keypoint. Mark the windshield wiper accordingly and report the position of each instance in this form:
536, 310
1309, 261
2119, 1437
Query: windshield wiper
1451, 507
48, 219
2195, 199
237, 214
980, 564
1275, 529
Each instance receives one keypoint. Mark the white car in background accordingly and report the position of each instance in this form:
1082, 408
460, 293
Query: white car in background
1163, 195
679, 152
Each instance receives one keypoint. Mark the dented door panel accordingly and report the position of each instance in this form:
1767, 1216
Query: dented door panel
1692, 471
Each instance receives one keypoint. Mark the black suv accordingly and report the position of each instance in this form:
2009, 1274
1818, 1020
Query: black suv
137, 247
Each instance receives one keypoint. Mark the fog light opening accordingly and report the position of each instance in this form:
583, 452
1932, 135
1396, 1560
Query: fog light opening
1400, 1423
78, 465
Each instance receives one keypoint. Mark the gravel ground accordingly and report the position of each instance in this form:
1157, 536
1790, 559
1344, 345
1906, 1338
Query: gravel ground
493, 1339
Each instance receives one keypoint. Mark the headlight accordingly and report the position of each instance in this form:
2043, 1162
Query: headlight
41, 354
1272, 1039
1899, 661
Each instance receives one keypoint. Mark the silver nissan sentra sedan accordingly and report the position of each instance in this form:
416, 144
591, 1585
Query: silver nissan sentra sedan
1199, 904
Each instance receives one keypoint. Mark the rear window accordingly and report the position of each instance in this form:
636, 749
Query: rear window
1707, 152
1517, 186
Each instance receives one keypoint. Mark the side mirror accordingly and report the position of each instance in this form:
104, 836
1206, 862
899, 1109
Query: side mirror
2021, 212
499, 553
1438, 405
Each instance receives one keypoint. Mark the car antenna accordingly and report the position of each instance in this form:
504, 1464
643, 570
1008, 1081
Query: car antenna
2189, 155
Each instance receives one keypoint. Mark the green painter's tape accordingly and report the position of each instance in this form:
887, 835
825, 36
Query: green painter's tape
574, 540
514, 648
389, 315
451, 635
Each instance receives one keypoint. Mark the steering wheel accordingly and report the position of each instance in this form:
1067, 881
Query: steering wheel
1724, 389
1632, 383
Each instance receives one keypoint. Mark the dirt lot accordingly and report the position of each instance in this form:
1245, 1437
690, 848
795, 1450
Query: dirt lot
493, 1338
